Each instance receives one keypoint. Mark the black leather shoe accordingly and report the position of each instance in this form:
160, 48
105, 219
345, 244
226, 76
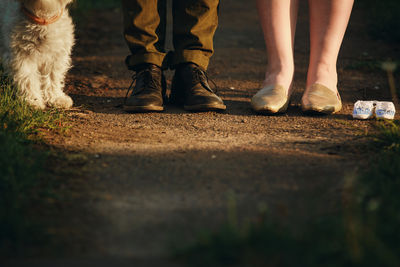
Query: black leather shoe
148, 90
190, 88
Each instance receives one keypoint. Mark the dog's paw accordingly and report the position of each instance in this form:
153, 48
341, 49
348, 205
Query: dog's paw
62, 102
36, 103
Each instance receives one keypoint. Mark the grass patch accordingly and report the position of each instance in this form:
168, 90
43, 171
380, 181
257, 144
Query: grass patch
364, 233
387, 137
21, 168
18, 118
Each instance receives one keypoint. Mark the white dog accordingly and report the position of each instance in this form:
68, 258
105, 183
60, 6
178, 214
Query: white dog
36, 40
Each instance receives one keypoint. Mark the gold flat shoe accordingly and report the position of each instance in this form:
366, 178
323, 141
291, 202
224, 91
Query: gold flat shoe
271, 99
320, 99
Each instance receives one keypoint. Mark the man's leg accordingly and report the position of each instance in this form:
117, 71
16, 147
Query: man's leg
144, 31
195, 23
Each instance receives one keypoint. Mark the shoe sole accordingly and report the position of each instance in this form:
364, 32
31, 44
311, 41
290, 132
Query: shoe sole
267, 111
138, 109
362, 117
385, 117
205, 107
320, 111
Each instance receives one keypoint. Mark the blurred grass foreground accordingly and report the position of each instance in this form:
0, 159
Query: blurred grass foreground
364, 232
21, 167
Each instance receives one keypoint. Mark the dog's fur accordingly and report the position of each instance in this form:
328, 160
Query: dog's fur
37, 57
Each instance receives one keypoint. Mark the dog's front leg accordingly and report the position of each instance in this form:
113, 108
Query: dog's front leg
54, 85
26, 78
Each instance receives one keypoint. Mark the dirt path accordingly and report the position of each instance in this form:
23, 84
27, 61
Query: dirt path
142, 181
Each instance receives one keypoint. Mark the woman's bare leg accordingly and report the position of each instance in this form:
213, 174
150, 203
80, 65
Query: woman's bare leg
328, 23
278, 19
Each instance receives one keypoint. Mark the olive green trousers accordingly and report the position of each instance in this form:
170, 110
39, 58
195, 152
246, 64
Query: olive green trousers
194, 25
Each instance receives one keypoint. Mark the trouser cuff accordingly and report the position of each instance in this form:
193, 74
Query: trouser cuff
134, 61
171, 60
197, 57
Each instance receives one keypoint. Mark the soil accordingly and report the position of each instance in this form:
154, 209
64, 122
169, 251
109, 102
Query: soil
141, 183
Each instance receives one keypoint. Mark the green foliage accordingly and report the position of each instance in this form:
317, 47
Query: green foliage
375, 213
19, 118
388, 135
263, 243
248, 246
382, 18
21, 166
364, 233
20, 169
378, 197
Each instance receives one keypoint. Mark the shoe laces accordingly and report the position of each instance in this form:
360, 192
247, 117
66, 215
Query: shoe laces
148, 79
200, 76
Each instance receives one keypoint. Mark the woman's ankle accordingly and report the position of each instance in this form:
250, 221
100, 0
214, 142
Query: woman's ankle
324, 75
280, 76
